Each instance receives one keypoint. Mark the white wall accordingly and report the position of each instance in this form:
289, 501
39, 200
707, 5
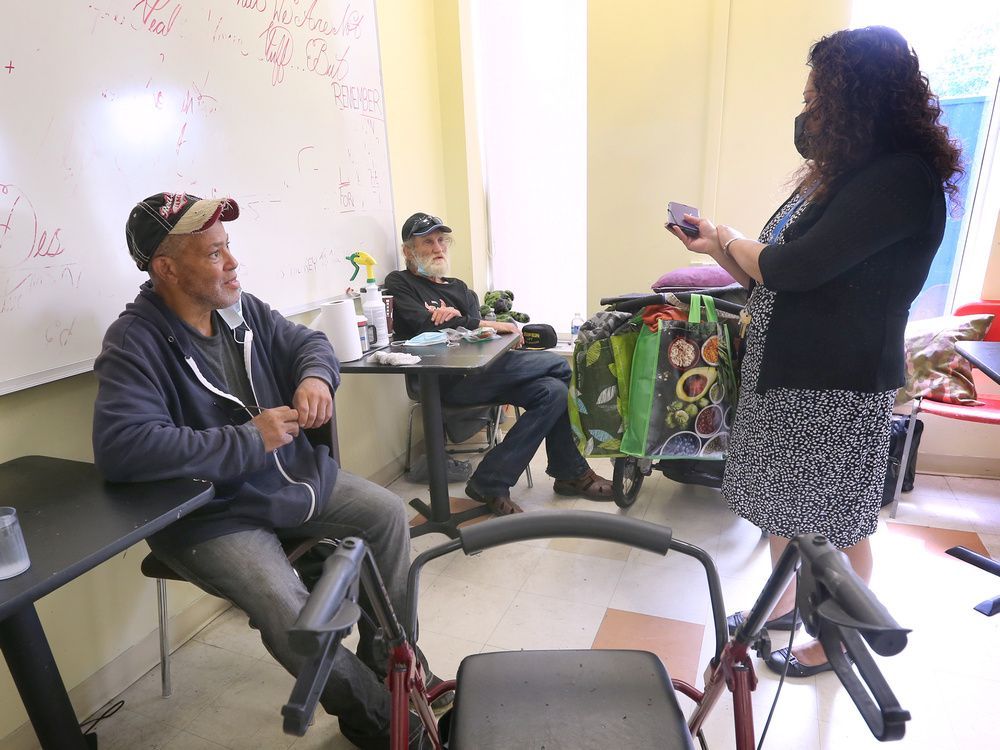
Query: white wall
533, 108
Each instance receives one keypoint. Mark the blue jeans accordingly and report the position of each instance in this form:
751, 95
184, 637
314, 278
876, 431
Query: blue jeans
249, 568
538, 382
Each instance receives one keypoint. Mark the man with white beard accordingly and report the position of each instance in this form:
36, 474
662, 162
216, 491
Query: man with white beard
424, 300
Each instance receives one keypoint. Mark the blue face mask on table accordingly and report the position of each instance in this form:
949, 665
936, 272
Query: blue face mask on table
428, 338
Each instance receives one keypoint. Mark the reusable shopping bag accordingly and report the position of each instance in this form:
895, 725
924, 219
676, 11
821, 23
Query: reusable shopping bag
599, 391
683, 388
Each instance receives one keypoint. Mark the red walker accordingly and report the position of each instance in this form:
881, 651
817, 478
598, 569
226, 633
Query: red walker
588, 699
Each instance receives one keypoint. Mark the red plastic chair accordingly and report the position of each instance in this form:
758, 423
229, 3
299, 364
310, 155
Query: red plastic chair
988, 412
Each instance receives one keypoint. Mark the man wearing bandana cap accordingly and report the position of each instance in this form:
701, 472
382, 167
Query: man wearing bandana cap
198, 379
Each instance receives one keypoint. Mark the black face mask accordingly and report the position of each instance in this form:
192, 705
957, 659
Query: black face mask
803, 141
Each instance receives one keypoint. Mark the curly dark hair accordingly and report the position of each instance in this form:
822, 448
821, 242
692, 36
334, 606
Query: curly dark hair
872, 99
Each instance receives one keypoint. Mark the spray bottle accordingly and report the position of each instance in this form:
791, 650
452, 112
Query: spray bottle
371, 299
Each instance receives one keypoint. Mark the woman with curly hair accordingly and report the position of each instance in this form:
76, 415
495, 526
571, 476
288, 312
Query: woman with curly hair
832, 278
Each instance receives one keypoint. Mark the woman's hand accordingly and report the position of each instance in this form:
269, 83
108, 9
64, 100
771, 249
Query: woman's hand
707, 241
727, 234
711, 241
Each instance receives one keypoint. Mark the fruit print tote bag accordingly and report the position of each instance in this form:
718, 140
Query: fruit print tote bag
682, 389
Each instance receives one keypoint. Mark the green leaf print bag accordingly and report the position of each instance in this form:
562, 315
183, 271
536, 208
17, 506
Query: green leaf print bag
682, 388
599, 391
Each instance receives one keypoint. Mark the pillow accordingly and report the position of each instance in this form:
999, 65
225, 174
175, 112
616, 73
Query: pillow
933, 368
695, 277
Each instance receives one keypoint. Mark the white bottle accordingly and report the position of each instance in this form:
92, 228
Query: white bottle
574, 327
374, 309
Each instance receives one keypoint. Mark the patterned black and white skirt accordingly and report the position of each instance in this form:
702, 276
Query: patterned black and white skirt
805, 461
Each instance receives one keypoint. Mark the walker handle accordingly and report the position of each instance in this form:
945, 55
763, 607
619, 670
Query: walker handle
851, 603
575, 523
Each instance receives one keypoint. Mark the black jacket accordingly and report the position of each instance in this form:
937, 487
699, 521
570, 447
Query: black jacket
846, 275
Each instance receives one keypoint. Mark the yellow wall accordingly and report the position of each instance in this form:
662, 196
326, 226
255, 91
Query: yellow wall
647, 75
688, 102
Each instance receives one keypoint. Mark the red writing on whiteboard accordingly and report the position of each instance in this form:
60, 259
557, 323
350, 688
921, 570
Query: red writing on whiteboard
323, 61
152, 18
18, 289
59, 332
309, 19
195, 98
346, 198
277, 50
20, 233
258, 5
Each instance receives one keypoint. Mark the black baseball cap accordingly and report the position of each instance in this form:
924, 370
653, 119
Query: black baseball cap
420, 224
171, 213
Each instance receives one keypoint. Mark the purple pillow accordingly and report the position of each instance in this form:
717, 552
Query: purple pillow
697, 277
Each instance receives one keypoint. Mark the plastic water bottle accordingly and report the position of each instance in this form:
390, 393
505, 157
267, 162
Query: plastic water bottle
574, 327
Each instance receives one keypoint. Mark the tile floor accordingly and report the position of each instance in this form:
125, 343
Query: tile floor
582, 594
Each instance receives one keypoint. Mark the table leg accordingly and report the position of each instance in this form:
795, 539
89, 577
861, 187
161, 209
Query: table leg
43, 693
438, 515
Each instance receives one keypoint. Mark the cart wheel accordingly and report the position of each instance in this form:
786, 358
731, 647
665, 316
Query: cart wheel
626, 481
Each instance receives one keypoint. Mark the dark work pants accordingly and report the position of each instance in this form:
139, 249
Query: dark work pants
538, 382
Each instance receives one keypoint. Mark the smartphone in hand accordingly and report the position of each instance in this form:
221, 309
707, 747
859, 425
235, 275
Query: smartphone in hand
675, 218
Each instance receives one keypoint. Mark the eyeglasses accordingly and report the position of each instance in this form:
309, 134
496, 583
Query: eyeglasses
422, 225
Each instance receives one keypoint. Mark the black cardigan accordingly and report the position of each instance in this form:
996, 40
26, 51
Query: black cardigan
845, 277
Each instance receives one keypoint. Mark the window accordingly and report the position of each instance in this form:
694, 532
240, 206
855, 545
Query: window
533, 111
958, 44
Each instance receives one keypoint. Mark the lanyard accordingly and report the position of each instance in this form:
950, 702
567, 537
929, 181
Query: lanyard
776, 232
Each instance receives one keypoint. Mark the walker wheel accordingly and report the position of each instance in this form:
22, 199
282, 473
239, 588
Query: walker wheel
626, 481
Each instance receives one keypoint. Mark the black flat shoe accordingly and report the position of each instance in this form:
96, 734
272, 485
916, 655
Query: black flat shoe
778, 623
776, 663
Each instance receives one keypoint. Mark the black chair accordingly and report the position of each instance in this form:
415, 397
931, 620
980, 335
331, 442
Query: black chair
152, 567
460, 424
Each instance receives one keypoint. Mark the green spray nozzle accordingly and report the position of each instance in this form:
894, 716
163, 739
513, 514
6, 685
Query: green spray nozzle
364, 259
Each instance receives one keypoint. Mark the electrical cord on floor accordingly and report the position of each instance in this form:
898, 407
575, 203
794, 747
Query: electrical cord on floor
777, 693
88, 726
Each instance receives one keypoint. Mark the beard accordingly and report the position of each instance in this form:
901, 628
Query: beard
435, 267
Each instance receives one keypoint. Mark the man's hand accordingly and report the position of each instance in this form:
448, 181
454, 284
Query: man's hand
277, 426
314, 403
504, 327
442, 313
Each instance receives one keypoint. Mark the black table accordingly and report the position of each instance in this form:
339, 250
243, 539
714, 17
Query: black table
983, 354
72, 521
436, 361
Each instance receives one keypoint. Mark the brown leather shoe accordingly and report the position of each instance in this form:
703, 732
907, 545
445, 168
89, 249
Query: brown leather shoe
589, 485
500, 505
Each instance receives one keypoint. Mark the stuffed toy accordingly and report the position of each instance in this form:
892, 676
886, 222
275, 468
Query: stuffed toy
498, 305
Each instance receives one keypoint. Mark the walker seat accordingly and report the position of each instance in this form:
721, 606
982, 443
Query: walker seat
565, 700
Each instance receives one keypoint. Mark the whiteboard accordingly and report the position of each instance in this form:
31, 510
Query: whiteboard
276, 103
